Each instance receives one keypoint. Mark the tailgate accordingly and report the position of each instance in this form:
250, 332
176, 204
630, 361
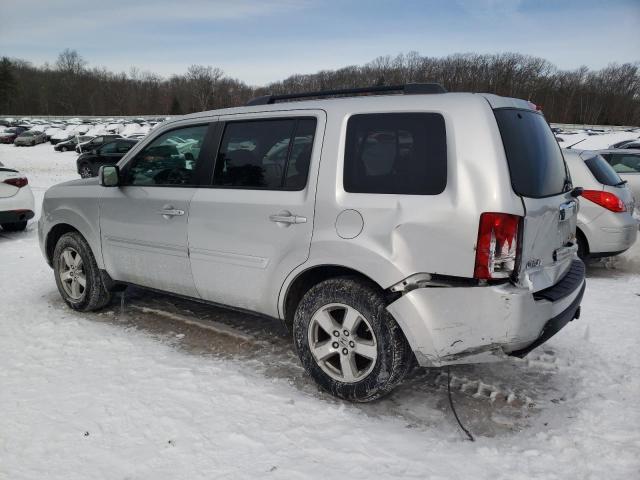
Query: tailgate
539, 176
548, 240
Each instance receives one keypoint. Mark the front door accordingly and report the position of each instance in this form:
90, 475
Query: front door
253, 226
144, 221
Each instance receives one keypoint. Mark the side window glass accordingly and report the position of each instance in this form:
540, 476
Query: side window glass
298, 167
108, 148
265, 154
626, 163
169, 160
124, 147
396, 153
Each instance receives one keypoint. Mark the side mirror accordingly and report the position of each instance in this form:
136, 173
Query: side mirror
109, 175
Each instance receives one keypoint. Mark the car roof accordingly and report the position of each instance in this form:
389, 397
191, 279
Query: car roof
383, 102
635, 151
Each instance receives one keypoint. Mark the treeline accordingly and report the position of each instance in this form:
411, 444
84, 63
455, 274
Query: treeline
610, 96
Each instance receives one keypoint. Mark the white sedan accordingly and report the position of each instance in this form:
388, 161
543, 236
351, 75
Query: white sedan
16, 200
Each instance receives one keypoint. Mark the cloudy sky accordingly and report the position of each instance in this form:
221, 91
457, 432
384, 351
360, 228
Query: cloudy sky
265, 40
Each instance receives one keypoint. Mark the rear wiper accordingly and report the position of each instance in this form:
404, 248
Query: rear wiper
621, 182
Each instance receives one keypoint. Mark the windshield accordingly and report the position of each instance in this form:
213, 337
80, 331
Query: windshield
533, 154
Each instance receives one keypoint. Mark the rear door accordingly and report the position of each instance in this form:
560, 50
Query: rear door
540, 177
253, 226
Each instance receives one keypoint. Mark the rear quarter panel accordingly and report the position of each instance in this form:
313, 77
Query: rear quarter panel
406, 234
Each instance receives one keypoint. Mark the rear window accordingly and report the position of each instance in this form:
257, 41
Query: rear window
603, 172
396, 153
534, 157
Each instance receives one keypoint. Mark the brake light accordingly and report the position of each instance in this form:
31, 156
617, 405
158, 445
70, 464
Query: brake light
497, 245
605, 199
17, 181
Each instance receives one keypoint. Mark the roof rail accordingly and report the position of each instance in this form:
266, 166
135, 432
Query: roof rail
407, 89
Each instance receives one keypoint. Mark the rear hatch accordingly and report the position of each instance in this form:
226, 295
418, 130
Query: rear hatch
540, 178
610, 180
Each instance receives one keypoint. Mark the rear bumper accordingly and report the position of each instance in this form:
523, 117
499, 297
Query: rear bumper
13, 216
610, 232
478, 324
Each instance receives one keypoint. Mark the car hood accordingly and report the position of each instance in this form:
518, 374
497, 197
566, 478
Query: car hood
80, 182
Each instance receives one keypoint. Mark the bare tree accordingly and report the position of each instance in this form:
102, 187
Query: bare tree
203, 81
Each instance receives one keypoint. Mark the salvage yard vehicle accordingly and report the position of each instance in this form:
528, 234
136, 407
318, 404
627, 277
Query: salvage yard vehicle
407, 224
29, 138
16, 200
11, 133
605, 225
108, 153
626, 163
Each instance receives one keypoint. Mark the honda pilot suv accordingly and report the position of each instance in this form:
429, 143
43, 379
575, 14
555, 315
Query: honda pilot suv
382, 229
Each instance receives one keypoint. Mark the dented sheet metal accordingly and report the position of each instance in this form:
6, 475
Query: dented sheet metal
459, 324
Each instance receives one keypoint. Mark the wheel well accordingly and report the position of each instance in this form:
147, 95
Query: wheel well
307, 279
583, 239
52, 238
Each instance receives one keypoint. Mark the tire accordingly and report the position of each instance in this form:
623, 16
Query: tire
373, 331
14, 226
64, 149
85, 171
94, 295
583, 247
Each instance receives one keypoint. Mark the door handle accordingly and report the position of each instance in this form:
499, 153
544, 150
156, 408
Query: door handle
168, 211
287, 218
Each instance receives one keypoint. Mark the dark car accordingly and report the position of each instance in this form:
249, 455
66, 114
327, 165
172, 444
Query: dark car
107, 154
10, 134
71, 144
96, 142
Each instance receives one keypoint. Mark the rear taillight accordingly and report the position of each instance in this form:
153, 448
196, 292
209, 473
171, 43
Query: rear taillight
605, 199
17, 181
497, 246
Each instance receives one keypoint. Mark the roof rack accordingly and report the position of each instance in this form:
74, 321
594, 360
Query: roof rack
407, 89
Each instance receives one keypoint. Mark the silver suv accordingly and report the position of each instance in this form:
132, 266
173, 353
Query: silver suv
382, 229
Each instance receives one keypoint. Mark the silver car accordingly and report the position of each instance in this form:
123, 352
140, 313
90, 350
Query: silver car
424, 225
606, 226
29, 138
626, 163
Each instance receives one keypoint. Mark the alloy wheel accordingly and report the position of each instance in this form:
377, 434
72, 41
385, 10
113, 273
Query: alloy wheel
342, 342
72, 274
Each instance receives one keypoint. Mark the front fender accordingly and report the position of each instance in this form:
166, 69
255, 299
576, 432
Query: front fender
82, 216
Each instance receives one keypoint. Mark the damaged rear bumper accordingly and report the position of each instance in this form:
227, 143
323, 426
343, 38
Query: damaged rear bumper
454, 325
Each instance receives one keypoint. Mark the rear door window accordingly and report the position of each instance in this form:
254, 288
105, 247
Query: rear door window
534, 157
396, 153
602, 171
269, 154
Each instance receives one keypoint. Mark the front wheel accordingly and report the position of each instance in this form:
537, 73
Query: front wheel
85, 171
348, 342
77, 275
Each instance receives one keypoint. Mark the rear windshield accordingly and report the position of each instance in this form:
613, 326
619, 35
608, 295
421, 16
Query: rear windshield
603, 172
535, 160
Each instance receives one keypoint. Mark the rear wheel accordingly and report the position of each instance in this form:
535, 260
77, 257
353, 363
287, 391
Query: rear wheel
348, 342
14, 226
77, 275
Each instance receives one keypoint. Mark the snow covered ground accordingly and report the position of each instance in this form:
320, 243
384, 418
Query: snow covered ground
156, 388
